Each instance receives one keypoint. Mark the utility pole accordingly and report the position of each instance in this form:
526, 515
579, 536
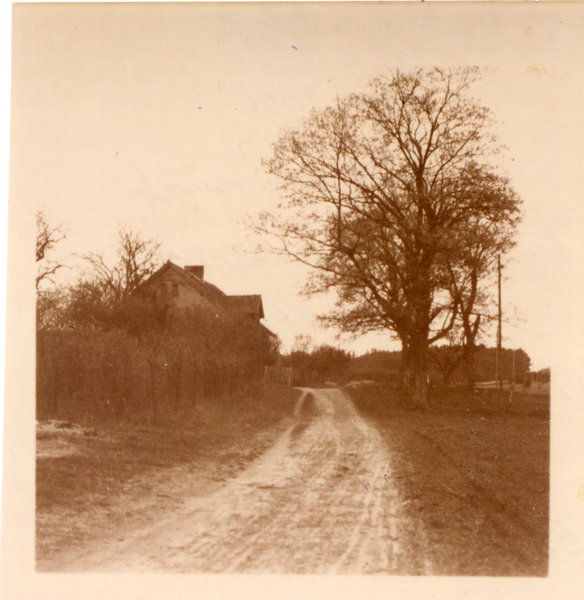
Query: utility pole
499, 332
512, 378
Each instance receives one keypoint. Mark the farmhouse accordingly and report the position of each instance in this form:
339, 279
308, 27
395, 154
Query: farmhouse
184, 290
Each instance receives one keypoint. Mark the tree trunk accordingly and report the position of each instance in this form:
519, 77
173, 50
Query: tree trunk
418, 381
469, 349
421, 390
469, 354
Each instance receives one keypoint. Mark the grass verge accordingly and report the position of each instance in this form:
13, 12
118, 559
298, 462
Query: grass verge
92, 488
474, 478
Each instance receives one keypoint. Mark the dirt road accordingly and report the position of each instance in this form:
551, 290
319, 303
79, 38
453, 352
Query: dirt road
320, 501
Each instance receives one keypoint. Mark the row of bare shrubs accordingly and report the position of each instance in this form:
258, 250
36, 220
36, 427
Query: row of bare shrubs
149, 374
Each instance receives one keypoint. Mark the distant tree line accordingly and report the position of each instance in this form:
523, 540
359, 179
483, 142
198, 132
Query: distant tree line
317, 363
314, 363
321, 362
447, 365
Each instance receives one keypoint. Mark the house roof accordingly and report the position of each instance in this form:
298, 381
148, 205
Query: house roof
246, 304
251, 304
266, 330
207, 290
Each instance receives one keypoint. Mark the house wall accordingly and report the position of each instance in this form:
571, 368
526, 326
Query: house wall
170, 289
190, 298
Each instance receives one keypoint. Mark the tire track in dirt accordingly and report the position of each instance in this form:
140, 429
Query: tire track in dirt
316, 502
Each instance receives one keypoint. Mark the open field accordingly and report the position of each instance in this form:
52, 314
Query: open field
93, 485
474, 475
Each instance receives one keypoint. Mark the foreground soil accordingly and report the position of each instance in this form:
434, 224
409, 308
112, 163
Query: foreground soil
474, 476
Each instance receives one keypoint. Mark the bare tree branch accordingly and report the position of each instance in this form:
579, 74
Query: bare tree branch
47, 238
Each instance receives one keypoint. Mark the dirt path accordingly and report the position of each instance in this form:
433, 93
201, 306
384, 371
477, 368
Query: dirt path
320, 501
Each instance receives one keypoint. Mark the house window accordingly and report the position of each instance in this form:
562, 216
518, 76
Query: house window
167, 290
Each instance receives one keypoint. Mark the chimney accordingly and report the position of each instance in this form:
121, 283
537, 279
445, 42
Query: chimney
197, 271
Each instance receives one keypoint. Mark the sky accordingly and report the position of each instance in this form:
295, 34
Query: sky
157, 117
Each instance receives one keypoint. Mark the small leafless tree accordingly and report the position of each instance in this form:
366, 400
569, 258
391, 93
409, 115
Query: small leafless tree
97, 298
471, 275
137, 260
47, 238
303, 343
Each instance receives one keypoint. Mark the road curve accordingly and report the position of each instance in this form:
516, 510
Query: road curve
320, 501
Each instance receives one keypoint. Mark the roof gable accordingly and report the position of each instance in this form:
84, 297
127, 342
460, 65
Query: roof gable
207, 290
243, 305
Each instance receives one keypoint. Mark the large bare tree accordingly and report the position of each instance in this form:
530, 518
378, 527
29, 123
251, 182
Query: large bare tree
384, 193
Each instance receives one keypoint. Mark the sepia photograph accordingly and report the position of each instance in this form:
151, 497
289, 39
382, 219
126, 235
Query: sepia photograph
305, 301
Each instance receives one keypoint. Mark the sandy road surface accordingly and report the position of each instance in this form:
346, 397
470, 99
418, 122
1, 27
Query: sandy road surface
320, 501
